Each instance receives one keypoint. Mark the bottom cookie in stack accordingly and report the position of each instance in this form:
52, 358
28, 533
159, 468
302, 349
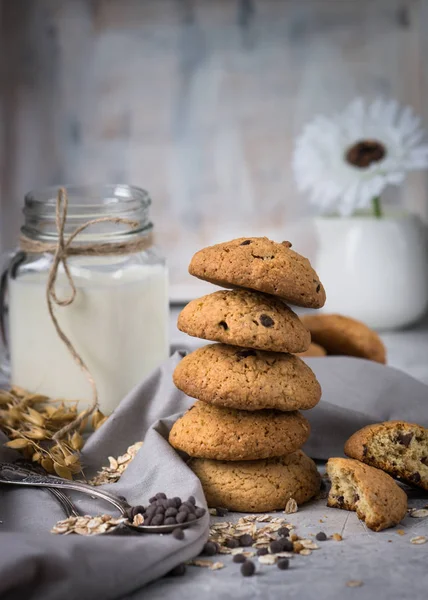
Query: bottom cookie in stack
247, 461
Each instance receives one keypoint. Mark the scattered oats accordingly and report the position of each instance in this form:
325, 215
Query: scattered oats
138, 520
206, 564
246, 553
268, 559
294, 537
86, 525
93, 523
116, 467
284, 555
309, 544
291, 506
401, 532
337, 537
418, 513
264, 519
419, 539
213, 512
354, 583
297, 547
305, 552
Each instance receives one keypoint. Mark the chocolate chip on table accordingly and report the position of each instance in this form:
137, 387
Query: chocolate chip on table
246, 540
245, 243
221, 512
283, 564
209, 549
276, 546
321, 536
266, 320
262, 551
287, 545
248, 568
283, 532
232, 543
178, 570
157, 520
178, 533
404, 439
239, 558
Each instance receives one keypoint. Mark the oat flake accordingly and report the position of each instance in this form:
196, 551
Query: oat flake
419, 539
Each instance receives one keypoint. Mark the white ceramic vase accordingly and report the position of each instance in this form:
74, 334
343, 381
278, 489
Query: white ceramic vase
374, 270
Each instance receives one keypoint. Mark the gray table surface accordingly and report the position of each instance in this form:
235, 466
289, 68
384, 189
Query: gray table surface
387, 563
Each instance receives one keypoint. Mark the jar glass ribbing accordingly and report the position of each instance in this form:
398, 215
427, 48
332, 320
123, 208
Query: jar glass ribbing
118, 321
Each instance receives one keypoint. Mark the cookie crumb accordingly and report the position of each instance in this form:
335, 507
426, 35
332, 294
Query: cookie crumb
401, 532
337, 537
354, 583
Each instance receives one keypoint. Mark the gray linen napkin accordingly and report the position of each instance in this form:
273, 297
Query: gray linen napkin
35, 564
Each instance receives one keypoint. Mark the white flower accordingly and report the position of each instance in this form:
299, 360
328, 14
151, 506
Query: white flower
347, 160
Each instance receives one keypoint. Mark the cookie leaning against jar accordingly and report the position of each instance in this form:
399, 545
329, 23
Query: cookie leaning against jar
374, 495
258, 485
245, 318
343, 336
260, 264
247, 379
397, 447
207, 431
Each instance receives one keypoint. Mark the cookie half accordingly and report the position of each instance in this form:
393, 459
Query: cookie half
397, 447
258, 485
263, 265
314, 350
374, 495
341, 335
247, 379
207, 431
244, 318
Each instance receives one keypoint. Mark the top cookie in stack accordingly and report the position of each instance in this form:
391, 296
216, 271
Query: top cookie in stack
250, 385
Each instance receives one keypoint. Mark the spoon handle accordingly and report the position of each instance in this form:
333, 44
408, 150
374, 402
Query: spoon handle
15, 475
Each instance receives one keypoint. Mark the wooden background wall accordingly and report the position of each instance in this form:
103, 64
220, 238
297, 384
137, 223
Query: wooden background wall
197, 101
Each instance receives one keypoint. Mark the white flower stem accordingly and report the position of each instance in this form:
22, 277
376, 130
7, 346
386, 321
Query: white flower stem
377, 208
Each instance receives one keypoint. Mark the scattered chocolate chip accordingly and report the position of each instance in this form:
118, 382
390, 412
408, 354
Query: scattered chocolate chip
209, 549
404, 439
415, 477
199, 512
157, 520
170, 521
178, 534
178, 571
248, 568
283, 532
221, 512
318, 287
239, 558
276, 546
262, 551
224, 325
246, 540
232, 543
246, 353
321, 536
287, 545
424, 460
266, 320
245, 243
283, 564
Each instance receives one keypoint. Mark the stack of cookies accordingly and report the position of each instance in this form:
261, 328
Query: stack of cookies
245, 431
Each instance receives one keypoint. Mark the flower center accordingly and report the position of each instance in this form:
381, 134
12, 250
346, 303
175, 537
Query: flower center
364, 153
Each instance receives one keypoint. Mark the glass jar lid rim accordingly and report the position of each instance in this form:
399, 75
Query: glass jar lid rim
120, 192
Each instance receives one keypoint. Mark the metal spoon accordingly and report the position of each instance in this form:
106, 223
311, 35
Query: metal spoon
12, 474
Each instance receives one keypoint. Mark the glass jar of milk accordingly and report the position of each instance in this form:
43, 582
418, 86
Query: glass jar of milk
118, 321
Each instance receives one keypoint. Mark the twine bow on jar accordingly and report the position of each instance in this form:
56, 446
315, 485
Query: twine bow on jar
61, 250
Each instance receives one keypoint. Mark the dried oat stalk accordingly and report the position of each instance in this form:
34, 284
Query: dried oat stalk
116, 467
31, 421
